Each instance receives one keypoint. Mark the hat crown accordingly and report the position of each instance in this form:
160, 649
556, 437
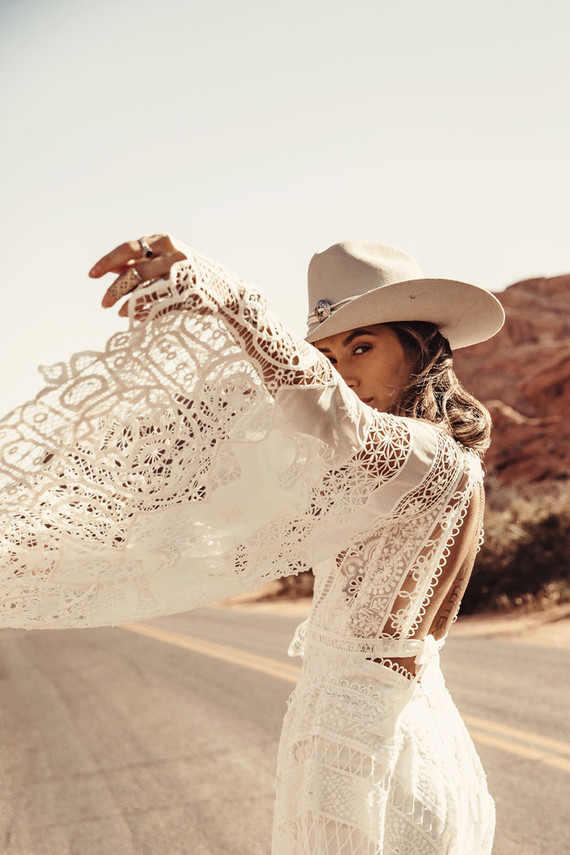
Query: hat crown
354, 267
358, 282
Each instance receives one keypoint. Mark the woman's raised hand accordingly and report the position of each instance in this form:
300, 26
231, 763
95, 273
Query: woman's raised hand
137, 262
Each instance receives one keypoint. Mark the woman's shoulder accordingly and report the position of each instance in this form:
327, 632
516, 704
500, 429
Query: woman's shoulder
434, 441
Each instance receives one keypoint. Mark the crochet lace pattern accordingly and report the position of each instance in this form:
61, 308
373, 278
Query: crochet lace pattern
208, 450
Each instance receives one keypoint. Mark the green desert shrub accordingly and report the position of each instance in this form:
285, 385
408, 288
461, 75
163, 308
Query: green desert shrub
525, 559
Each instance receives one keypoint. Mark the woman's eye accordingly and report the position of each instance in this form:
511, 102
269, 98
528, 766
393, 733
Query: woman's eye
361, 348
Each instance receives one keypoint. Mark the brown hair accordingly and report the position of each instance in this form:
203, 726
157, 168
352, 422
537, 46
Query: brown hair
434, 393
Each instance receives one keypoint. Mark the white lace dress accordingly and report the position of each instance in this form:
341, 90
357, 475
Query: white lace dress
208, 450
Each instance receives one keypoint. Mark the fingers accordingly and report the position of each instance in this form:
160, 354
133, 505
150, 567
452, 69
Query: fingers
124, 255
130, 260
141, 273
117, 260
123, 285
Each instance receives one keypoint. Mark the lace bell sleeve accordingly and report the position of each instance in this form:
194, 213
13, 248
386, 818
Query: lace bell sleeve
205, 451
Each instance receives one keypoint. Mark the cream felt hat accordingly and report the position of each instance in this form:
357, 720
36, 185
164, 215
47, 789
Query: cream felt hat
359, 282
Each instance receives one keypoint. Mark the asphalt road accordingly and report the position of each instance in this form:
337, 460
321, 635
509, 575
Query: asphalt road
161, 738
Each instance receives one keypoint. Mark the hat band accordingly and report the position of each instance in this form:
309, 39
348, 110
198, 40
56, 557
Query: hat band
323, 310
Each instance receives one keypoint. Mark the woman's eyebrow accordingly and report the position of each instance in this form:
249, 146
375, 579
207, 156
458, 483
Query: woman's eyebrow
356, 333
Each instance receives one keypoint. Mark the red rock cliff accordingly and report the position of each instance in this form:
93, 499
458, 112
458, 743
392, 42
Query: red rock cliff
523, 377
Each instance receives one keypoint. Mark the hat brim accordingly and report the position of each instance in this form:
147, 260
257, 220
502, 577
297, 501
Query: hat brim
465, 314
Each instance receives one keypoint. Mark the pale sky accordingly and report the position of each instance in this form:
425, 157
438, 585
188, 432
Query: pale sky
260, 132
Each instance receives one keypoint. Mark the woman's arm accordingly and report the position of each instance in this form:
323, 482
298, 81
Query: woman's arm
310, 393
200, 285
160, 474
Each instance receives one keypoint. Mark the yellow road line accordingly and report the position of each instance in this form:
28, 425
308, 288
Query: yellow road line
219, 651
516, 734
531, 746
525, 751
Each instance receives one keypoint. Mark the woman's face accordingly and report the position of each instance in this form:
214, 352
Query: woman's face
372, 361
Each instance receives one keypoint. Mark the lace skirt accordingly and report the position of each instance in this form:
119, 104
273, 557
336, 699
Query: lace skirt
371, 765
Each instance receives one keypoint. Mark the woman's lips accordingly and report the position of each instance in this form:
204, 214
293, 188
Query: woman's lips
366, 400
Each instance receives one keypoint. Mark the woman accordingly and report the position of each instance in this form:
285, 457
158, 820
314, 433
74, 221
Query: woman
210, 449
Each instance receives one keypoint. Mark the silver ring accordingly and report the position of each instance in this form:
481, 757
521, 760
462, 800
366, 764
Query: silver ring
146, 250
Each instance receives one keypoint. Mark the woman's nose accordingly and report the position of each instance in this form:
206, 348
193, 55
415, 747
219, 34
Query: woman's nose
348, 375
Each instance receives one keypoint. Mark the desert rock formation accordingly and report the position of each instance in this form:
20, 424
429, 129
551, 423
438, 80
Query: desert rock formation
523, 376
